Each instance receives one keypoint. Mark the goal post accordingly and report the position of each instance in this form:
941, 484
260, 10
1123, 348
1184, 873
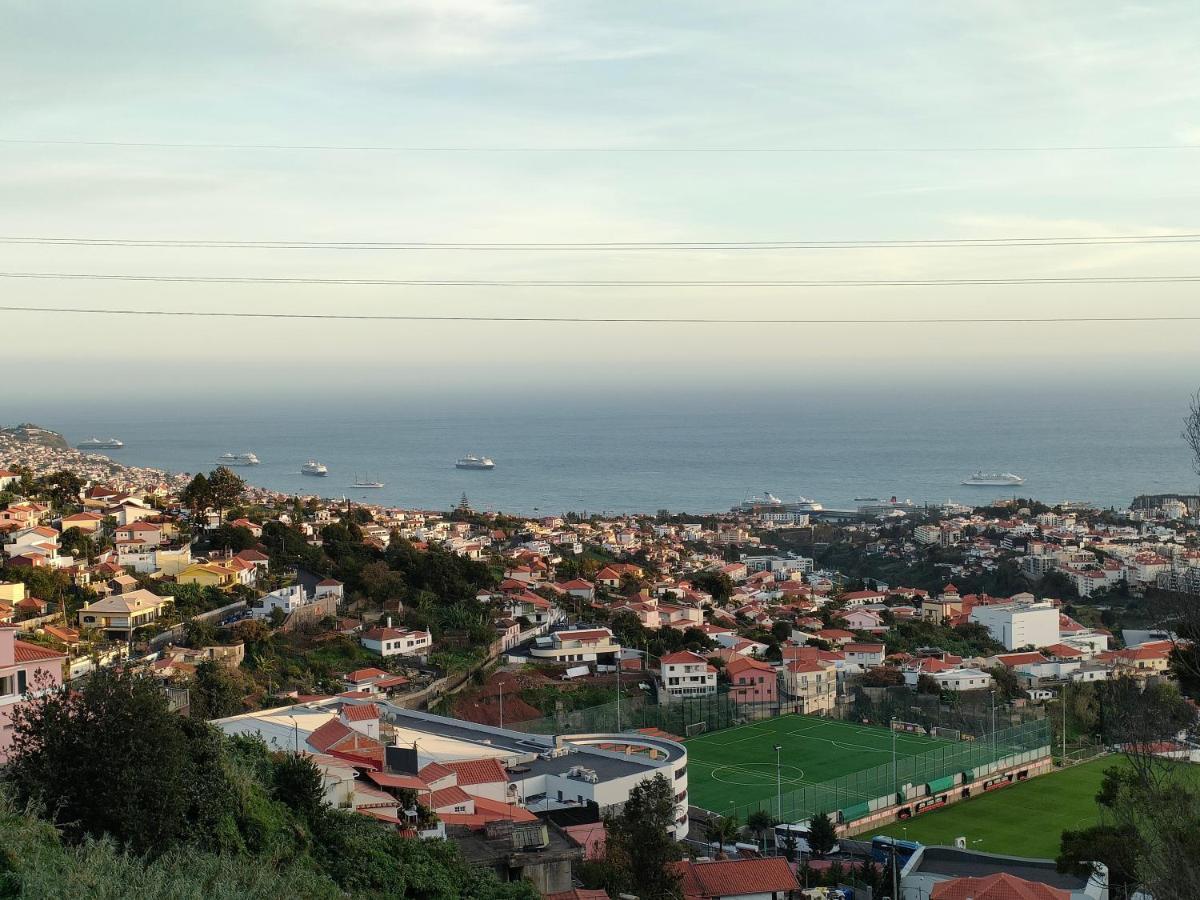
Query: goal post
695, 728
949, 734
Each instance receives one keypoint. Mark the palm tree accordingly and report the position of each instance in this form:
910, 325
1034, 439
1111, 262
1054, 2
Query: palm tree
722, 830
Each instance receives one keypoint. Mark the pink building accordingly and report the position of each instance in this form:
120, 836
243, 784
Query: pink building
751, 680
20, 668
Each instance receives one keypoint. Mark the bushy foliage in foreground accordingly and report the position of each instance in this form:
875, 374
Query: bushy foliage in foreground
110, 794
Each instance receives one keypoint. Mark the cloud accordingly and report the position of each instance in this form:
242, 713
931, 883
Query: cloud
404, 34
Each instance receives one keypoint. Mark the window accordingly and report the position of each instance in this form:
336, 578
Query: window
7, 686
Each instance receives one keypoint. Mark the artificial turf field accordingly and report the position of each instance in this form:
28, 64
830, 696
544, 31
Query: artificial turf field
730, 770
1026, 819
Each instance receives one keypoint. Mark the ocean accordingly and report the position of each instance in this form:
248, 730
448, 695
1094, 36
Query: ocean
688, 453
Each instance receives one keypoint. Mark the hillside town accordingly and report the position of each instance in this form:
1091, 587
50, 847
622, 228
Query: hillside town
507, 683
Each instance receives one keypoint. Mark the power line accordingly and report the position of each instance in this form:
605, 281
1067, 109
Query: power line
634, 320
384, 148
541, 283
1171, 238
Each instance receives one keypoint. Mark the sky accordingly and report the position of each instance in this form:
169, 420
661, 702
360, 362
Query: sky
675, 103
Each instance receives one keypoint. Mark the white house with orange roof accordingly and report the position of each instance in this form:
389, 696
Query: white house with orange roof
685, 675
577, 645
387, 641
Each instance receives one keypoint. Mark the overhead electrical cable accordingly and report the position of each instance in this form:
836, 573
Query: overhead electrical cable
615, 283
464, 148
1170, 238
634, 320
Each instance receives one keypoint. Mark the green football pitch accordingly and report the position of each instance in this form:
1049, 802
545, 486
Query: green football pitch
733, 770
1026, 819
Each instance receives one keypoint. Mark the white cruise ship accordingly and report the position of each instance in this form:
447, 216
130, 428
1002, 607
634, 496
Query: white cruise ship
994, 479
238, 459
471, 461
312, 467
95, 443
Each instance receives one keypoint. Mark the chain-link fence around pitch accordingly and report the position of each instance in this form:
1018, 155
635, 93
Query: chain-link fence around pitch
909, 778
684, 717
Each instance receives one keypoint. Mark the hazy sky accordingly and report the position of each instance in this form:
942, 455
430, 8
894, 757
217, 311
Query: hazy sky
608, 74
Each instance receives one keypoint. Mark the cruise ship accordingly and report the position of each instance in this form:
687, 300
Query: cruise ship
95, 443
312, 467
238, 459
994, 479
768, 501
471, 461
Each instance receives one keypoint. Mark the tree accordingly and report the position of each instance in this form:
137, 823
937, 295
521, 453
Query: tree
718, 584
821, 835
214, 692
791, 844
760, 822
109, 758
640, 850
927, 684
1191, 430
1116, 847
197, 496
882, 676
1008, 686
722, 831
298, 783
225, 488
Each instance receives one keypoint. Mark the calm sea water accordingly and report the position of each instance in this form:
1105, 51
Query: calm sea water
689, 454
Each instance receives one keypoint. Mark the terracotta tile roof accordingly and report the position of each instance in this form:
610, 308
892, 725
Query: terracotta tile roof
683, 656
477, 771
1000, 886
434, 772
580, 894
360, 712
364, 675
386, 780
24, 652
329, 734
448, 796
734, 877
1021, 659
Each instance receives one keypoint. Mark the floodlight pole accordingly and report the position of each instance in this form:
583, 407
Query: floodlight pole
1064, 725
778, 785
895, 775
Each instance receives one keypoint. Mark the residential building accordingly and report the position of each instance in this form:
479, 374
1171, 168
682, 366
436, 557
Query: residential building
812, 683
592, 645
751, 680
388, 641
1018, 625
24, 667
767, 878
686, 674
120, 616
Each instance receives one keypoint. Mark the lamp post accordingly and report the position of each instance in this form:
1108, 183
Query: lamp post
992, 695
895, 775
778, 785
1063, 700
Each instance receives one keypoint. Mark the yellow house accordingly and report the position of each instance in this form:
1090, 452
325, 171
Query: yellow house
208, 575
12, 592
123, 614
173, 562
84, 521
